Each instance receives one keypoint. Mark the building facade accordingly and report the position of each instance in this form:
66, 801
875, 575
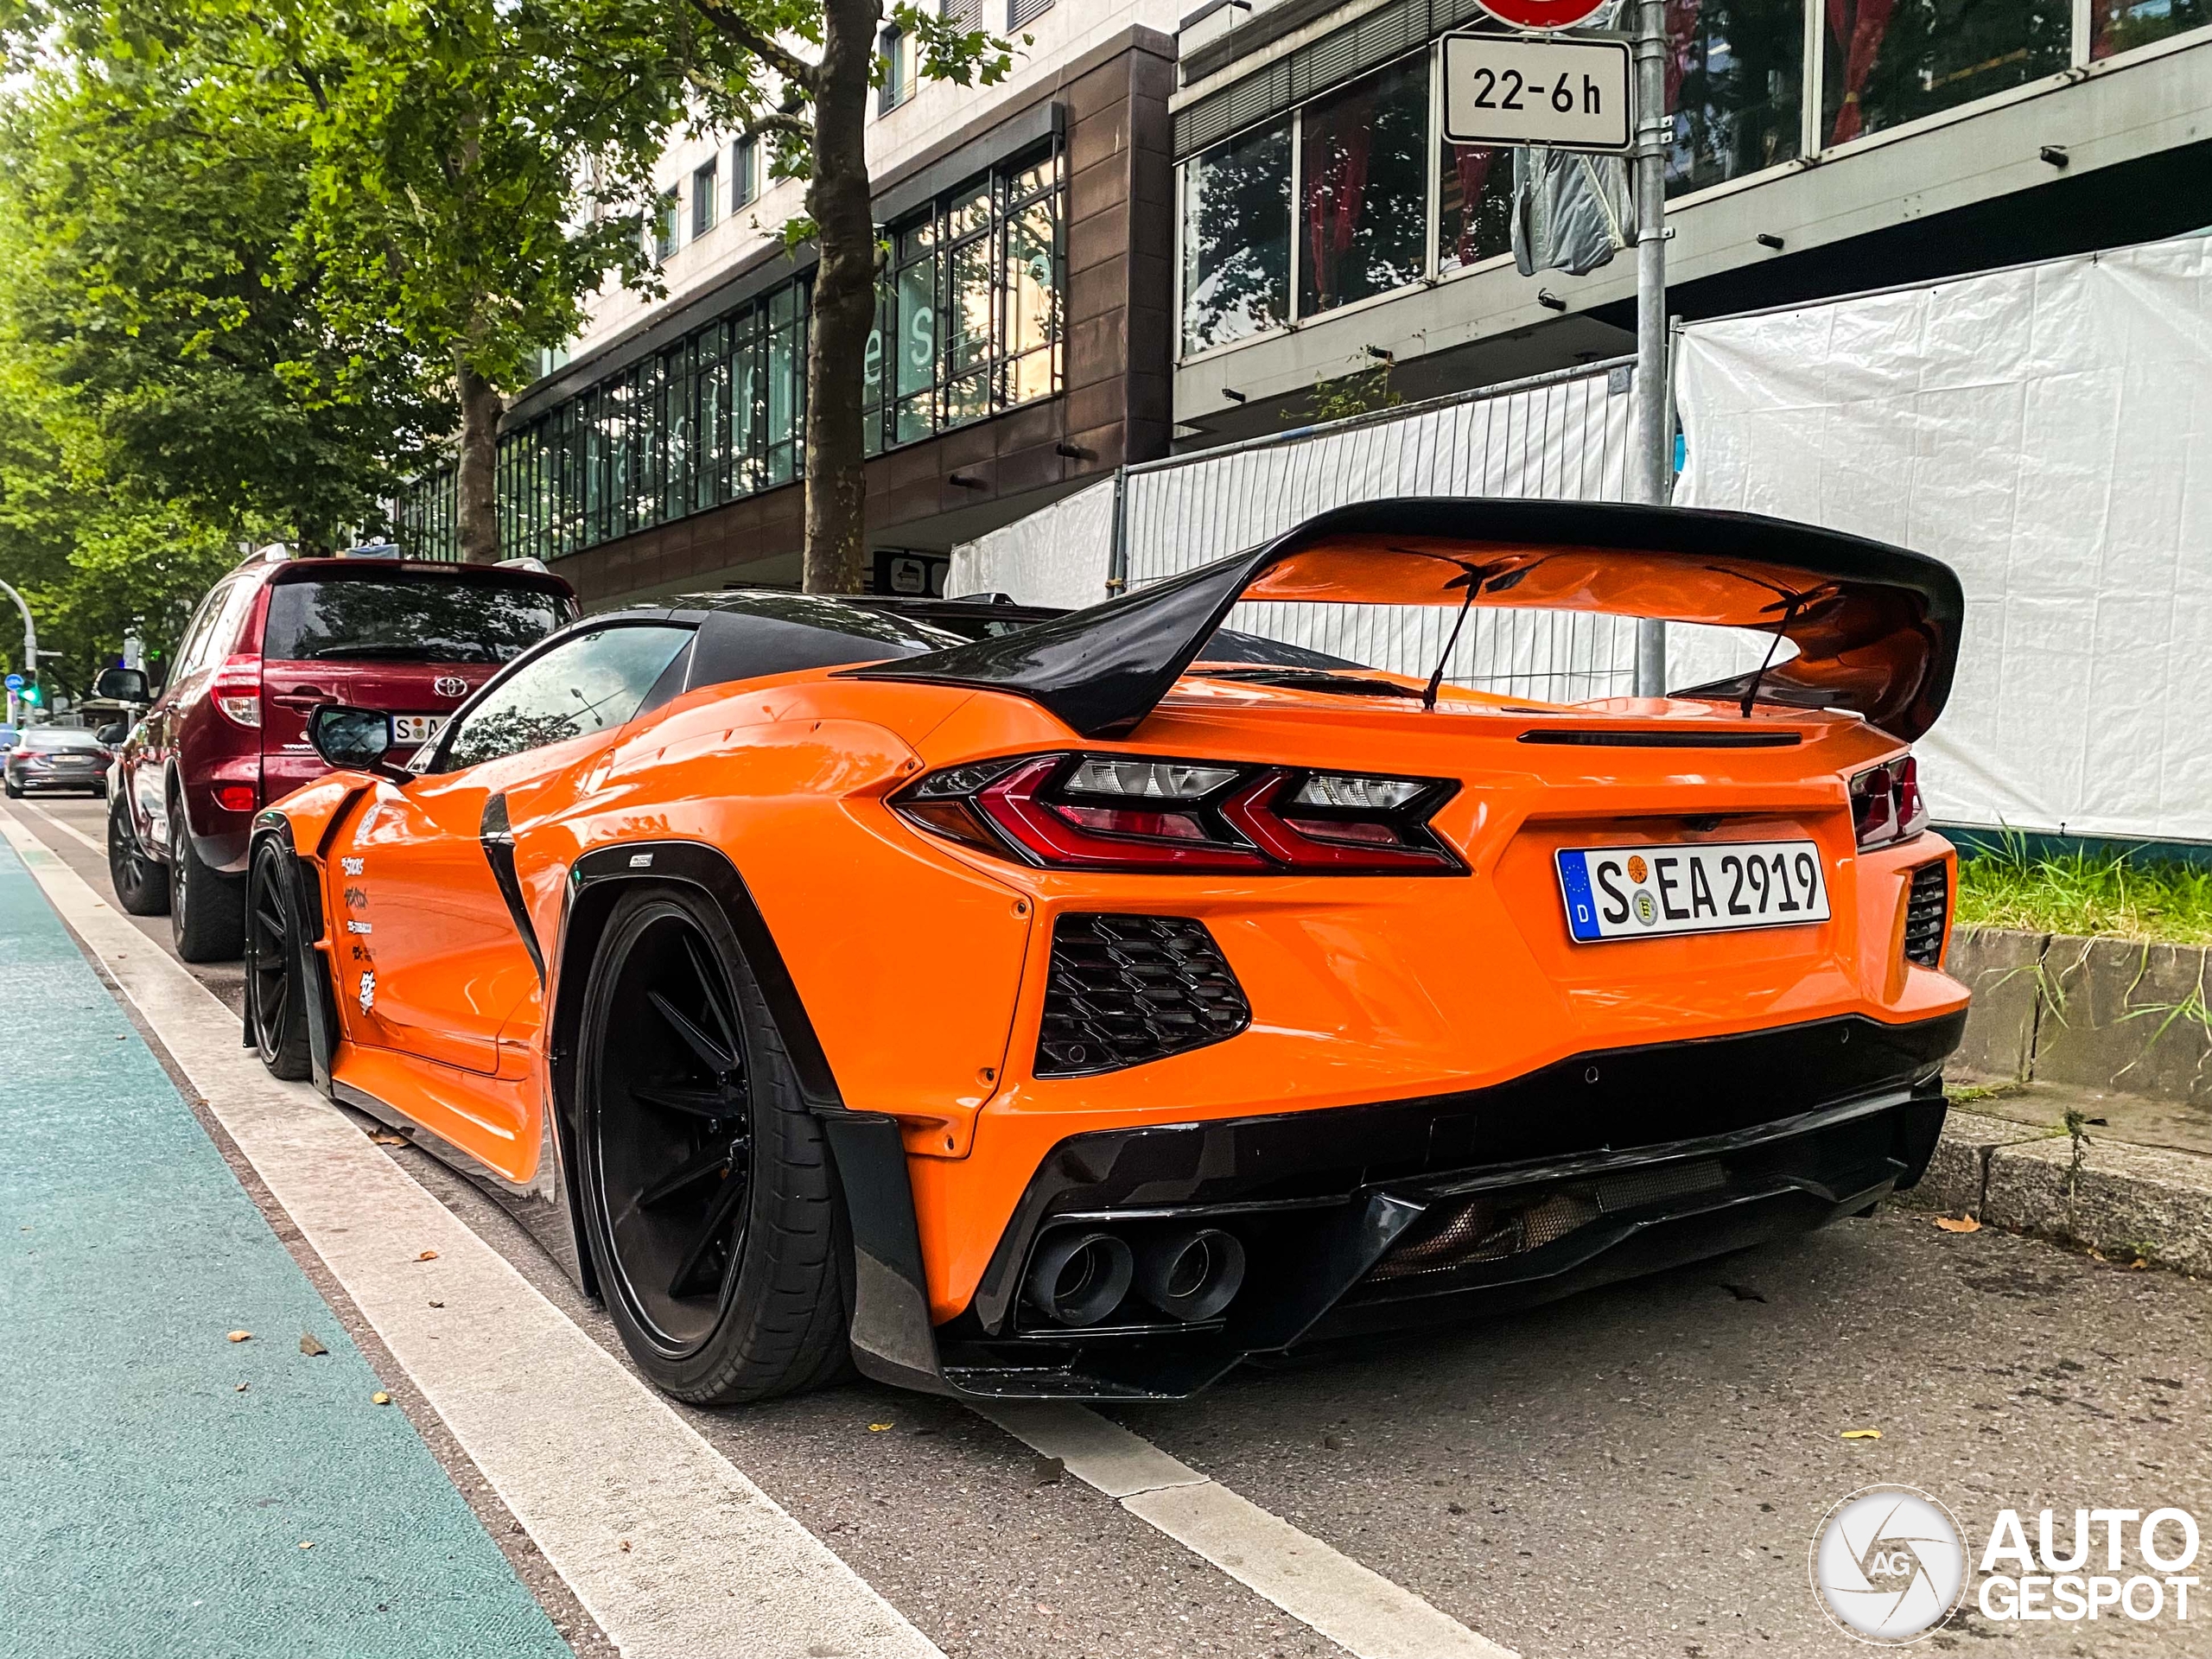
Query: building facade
1328, 237
1023, 346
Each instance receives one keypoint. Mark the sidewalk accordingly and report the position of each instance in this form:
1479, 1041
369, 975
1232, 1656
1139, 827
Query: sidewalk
155, 1506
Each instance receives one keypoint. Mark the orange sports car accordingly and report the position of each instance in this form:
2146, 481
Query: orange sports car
1079, 1011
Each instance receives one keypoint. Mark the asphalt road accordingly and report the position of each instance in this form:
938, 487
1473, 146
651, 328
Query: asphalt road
1637, 1471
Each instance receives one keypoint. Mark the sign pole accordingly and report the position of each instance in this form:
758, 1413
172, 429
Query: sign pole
1651, 466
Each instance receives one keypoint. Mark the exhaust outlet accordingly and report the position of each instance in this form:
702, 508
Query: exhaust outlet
1076, 1278
1191, 1273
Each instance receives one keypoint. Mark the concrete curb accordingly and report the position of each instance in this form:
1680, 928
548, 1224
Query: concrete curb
2123, 1201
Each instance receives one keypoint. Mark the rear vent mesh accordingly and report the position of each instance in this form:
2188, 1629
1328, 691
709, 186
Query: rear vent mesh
1125, 989
1923, 914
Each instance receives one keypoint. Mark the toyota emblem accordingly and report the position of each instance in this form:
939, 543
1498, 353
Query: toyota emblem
451, 685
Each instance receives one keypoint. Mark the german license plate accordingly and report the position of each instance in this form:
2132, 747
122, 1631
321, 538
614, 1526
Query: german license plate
1633, 892
416, 728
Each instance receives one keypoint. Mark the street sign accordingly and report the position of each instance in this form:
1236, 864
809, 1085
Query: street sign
14, 682
1503, 90
1543, 14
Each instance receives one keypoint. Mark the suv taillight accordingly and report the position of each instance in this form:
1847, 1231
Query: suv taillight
1130, 812
237, 690
1885, 804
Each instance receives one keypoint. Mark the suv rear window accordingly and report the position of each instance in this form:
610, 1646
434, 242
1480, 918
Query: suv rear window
403, 619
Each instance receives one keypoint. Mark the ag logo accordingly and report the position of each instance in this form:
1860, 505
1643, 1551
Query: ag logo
451, 685
1889, 1564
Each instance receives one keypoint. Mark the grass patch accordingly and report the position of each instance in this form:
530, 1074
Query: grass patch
2112, 894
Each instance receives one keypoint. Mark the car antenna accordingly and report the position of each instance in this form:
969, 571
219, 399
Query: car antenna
1468, 580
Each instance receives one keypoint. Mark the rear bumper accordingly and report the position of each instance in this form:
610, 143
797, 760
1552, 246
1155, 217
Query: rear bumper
1361, 1220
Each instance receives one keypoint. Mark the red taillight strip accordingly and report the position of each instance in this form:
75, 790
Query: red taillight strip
1248, 810
1011, 805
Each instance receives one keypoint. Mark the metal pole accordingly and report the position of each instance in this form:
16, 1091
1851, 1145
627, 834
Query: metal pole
30, 645
1650, 465
1117, 554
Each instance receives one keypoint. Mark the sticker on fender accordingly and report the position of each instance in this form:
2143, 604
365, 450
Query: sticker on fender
1632, 893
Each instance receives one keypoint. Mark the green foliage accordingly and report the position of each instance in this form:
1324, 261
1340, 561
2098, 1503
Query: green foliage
2092, 893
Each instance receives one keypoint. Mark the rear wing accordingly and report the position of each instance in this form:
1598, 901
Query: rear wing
1876, 628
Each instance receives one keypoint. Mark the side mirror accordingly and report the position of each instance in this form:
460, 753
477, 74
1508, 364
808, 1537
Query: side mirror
352, 740
109, 737
123, 685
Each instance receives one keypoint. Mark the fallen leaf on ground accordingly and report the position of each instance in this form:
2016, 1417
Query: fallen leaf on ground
877, 1428
1862, 1433
309, 1345
437, 1304
389, 1140
1958, 1224
237, 1335
428, 1256
625, 1545
239, 1389
308, 1544
380, 1398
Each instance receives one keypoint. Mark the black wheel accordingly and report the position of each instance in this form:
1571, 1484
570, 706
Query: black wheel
206, 907
710, 1208
99, 793
275, 980
14, 793
140, 886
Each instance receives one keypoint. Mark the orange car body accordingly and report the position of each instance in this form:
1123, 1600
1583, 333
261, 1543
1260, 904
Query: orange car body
1456, 1003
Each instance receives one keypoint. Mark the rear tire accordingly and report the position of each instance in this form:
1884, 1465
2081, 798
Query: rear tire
14, 793
711, 1210
276, 980
206, 907
140, 886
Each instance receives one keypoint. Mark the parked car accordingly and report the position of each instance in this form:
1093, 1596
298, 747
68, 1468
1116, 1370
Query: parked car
272, 641
52, 759
1077, 1011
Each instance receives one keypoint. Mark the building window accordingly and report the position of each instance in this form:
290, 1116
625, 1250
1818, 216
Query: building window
706, 182
1887, 64
1236, 238
664, 226
970, 321
1735, 81
896, 48
2120, 25
1363, 188
1019, 12
968, 13
744, 173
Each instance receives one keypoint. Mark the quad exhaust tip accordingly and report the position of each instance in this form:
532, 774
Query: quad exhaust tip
1191, 1273
1079, 1277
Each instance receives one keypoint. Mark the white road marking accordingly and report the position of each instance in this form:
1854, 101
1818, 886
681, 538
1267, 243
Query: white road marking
670, 1546
1354, 1606
71, 831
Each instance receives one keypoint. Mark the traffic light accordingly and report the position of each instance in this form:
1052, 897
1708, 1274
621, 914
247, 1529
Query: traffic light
32, 693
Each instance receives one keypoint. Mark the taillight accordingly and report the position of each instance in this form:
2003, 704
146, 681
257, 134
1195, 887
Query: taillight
1124, 812
1885, 804
236, 688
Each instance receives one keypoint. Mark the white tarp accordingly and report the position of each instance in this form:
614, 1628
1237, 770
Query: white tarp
1056, 555
2047, 431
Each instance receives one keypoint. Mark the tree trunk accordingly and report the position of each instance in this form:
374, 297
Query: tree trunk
476, 499
844, 302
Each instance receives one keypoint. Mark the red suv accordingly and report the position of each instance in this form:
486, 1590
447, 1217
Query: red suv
272, 641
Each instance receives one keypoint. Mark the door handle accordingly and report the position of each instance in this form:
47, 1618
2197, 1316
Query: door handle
301, 696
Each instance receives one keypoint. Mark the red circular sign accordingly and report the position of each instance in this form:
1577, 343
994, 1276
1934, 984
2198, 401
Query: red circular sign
1542, 13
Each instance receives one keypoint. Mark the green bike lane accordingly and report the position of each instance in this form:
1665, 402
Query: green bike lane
165, 1491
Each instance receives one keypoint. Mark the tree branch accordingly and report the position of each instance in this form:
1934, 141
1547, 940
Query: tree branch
793, 69
784, 121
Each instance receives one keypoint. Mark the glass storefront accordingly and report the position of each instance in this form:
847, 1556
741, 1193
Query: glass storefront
971, 324
1355, 193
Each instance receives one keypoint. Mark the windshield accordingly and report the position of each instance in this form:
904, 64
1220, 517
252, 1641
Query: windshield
60, 737
408, 619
